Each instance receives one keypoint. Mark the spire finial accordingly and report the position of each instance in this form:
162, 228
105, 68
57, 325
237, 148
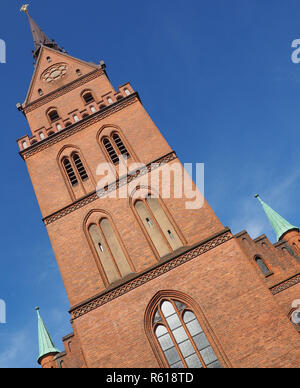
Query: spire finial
279, 224
24, 8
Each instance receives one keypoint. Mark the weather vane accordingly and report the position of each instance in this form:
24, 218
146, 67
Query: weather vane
24, 8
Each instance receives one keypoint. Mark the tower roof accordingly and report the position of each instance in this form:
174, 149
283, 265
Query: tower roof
39, 37
279, 224
46, 345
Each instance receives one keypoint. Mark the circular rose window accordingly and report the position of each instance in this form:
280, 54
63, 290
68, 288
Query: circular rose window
54, 72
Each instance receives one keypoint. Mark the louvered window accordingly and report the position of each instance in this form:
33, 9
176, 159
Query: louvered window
70, 172
80, 168
120, 145
111, 151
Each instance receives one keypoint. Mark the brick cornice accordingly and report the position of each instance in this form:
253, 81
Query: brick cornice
285, 284
110, 188
63, 90
79, 126
144, 278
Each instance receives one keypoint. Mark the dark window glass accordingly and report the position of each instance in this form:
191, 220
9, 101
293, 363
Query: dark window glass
53, 115
88, 98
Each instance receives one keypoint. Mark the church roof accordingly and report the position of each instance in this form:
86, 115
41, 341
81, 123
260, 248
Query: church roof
46, 345
279, 224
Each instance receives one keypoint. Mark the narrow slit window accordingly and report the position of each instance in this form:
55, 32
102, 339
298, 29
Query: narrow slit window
111, 151
171, 235
110, 101
149, 222
93, 109
80, 168
101, 247
264, 269
120, 145
58, 126
42, 136
127, 92
70, 172
76, 118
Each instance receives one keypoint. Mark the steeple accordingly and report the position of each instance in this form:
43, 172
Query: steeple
46, 346
39, 37
279, 224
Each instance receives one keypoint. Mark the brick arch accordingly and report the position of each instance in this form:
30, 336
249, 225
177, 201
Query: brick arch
94, 217
67, 151
191, 305
88, 90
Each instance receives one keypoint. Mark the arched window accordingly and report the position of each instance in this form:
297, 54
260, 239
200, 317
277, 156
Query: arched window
70, 172
110, 101
180, 337
120, 145
157, 225
264, 269
58, 126
111, 151
78, 72
49, 59
93, 109
42, 136
127, 92
110, 253
76, 118
40, 92
53, 115
88, 97
80, 168
24, 144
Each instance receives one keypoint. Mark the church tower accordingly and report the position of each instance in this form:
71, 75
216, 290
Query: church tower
152, 279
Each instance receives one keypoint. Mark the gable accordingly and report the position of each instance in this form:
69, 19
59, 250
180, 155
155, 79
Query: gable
54, 70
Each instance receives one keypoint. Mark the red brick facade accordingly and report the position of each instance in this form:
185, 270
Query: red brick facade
244, 313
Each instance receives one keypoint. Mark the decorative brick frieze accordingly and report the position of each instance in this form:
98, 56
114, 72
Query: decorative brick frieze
113, 186
285, 285
152, 274
67, 132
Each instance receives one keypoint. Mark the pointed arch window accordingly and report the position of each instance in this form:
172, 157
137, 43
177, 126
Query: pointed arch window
115, 147
180, 337
80, 167
111, 255
157, 225
70, 171
111, 151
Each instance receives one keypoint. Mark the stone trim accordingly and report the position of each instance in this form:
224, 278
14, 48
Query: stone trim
111, 187
69, 131
144, 278
60, 92
285, 284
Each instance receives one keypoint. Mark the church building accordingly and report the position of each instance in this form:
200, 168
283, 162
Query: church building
152, 282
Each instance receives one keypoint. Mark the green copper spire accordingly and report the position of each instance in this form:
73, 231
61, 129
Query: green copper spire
279, 224
46, 345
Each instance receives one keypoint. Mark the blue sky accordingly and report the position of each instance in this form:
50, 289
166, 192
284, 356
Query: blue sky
216, 77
